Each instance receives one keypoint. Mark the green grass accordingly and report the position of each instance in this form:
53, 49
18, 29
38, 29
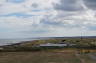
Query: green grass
87, 42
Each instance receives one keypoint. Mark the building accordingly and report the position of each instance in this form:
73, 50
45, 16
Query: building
1, 48
52, 45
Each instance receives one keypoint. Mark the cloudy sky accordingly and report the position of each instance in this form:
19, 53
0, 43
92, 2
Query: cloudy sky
47, 18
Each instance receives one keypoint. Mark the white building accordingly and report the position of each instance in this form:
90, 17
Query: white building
1, 48
51, 45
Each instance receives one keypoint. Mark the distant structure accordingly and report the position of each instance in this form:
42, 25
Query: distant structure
53, 45
1, 48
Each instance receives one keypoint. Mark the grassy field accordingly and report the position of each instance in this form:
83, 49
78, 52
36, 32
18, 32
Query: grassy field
63, 56
25, 52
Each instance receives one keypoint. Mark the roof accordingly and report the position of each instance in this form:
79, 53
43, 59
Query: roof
50, 44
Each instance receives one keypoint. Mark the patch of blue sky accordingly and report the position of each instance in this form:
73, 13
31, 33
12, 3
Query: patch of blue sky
91, 27
18, 15
2, 29
35, 31
15, 1
39, 10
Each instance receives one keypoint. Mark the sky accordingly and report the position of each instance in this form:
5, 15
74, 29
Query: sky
47, 18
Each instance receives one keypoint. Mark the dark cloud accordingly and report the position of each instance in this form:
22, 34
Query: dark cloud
34, 5
52, 23
68, 5
90, 4
49, 22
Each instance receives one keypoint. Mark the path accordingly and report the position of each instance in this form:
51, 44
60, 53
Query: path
92, 56
81, 59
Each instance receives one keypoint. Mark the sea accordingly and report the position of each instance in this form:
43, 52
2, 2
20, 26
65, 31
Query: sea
13, 41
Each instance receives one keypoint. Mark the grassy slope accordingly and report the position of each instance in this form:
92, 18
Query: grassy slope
78, 41
64, 56
38, 57
59, 56
27, 45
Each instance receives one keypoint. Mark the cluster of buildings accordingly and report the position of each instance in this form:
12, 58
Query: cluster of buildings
61, 44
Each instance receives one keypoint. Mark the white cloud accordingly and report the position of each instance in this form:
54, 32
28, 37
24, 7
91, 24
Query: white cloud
26, 6
45, 20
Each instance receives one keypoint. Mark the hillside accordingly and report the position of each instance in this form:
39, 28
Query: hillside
83, 43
